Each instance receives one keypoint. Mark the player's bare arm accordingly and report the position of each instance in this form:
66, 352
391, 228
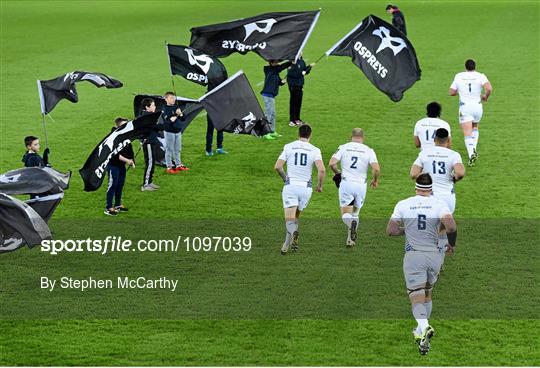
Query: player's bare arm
394, 229
417, 142
487, 91
333, 165
451, 232
415, 171
459, 172
321, 173
279, 169
452, 92
375, 172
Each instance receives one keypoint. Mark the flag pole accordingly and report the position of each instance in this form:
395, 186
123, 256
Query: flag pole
45, 130
42, 105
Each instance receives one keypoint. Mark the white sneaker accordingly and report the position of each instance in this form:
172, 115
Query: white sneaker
155, 186
292, 123
147, 188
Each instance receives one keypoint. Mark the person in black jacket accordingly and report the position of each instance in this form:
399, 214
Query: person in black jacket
210, 126
272, 81
117, 175
173, 127
295, 80
398, 19
150, 147
31, 157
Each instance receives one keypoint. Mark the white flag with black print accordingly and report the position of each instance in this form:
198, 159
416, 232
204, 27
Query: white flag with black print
273, 36
383, 53
54, 90
95, 167
195, 66
233, 107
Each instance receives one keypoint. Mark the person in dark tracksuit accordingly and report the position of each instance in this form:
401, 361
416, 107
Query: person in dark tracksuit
210, 126
272, 81
117, 175
295, 80
31, 157
398, 19
150, 147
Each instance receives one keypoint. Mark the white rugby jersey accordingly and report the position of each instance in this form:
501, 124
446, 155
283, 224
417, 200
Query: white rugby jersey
469, 86
421, 218
355, 161
425, 130
439, 163
300, 157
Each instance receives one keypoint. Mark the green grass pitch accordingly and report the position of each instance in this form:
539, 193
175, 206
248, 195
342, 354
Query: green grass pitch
327, 305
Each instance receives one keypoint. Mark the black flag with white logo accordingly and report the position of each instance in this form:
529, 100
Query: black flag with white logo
233, 107
20, 225
195, 65
54, 90
274, 36
190, 107
383, 53
33, 180
95, 167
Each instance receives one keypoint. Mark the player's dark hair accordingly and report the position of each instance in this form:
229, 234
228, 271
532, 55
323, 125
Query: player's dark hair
470, 65
119, 120
29, 139
390, 6
441, 135
147, 102
433, 109
169, 93
304, 131
424, 180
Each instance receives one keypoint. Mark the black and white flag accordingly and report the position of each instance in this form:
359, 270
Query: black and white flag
190, 107
33, 180
53, 90
233, 107
274, 36
383, 53
95, 167
195, 65
20, 225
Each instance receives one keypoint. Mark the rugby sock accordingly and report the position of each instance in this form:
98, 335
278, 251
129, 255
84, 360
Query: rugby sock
469, 143
443, 241
429, 307
475, 135
357, 221
291, 227
347, 219
420, 314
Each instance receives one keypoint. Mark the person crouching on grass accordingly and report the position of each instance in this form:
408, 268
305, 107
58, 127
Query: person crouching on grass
272, 81
173, 126
117, 175
31, 157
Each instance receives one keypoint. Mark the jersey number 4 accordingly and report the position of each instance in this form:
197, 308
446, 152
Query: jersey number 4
303, 159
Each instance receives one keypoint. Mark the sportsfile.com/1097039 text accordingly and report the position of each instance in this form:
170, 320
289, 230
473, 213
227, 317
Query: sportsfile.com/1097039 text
118, 244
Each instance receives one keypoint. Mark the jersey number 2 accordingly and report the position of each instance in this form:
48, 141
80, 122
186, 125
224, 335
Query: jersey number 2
354, 160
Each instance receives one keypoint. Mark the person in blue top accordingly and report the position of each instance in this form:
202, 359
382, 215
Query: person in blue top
272, 82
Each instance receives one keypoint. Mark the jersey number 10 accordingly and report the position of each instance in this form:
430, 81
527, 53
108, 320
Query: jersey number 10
303, 159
